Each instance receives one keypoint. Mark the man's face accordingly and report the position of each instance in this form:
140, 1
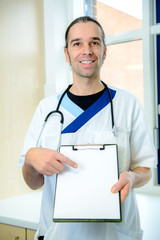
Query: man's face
85, 51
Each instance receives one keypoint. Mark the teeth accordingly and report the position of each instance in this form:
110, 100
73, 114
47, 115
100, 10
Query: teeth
86, 62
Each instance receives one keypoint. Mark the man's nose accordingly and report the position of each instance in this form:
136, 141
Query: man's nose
87, 49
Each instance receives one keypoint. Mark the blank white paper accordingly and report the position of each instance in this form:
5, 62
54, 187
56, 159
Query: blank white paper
84, 194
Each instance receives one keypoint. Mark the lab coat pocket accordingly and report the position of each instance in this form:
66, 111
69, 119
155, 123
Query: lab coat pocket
122, 141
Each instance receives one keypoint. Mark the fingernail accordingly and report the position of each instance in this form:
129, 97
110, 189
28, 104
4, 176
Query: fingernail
114, 190
75, 165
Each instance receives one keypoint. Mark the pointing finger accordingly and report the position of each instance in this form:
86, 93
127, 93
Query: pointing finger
66, 160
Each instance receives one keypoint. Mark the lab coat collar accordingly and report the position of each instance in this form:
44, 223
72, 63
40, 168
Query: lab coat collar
82, 117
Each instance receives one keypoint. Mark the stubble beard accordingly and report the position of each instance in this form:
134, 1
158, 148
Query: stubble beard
81, 74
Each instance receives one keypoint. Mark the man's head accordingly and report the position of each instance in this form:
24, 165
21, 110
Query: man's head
84, 19
85, 48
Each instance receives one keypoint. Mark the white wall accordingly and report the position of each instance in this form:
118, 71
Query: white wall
57, 16
22, 84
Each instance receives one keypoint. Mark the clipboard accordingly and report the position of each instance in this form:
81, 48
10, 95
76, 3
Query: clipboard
84, 194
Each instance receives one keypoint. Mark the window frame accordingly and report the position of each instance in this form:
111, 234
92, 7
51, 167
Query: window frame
150, 29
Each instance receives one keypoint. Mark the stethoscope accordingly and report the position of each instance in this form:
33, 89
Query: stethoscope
57, 111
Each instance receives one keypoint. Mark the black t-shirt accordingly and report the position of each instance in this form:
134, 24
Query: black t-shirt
85, 101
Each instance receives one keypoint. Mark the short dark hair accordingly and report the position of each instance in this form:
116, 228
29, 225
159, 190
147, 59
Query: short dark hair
84, 19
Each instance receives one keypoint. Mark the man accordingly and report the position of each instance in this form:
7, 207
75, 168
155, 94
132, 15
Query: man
85, 51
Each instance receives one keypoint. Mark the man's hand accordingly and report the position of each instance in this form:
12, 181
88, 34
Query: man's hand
40, 162
124, 185
47, 162
133, 179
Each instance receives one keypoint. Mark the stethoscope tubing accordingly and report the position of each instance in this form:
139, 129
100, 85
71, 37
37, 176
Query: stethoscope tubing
111, 102
62, 116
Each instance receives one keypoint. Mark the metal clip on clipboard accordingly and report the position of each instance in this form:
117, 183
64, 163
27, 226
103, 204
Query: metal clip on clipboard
84, 194
86, 147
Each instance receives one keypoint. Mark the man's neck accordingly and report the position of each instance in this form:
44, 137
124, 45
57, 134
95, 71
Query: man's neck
86, 87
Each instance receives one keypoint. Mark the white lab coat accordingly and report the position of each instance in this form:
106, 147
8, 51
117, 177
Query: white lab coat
135, 148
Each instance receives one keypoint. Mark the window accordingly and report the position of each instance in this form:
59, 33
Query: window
123, 66
133, 56
119, 16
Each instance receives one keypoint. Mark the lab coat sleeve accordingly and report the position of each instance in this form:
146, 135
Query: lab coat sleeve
143, 152
32, 134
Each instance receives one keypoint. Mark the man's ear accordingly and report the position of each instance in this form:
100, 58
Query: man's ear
105, 52
66, 54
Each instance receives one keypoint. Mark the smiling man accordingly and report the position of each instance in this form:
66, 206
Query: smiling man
86, 51
87, 120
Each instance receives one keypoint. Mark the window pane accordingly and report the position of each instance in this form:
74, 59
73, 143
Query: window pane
119, 16
123, 67
157, 11
158, 78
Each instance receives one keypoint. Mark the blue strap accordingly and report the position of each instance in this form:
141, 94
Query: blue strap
83, 118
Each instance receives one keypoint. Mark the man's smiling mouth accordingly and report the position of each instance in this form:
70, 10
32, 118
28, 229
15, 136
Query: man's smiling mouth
87, 61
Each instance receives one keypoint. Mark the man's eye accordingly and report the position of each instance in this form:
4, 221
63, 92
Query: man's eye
95, 43
76, 44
